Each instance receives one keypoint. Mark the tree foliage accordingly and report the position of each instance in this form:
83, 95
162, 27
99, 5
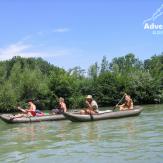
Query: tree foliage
24, 78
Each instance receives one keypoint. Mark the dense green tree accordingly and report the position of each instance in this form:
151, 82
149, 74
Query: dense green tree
24, 78
8, 97
104, 65
106, 89
155, 66
126, 64
93, 71
77, 72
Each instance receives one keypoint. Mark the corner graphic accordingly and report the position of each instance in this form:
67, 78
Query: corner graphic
157, 14
150, 25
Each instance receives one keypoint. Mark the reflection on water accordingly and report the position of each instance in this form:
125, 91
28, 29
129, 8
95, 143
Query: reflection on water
134, 139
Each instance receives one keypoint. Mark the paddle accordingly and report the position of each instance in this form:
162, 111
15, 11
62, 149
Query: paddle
119, 101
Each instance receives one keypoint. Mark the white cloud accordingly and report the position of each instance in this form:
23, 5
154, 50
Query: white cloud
25, 50
17, 49
45, 33
61, 30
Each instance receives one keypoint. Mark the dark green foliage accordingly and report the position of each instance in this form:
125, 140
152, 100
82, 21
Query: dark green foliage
104, 65
8, 97
24, 78
93, 71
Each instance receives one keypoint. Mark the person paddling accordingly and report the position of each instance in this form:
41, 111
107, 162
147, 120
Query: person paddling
30, 112
61, 107
92, 106
127, 105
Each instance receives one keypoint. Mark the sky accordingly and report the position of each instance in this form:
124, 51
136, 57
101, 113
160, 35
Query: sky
69, 33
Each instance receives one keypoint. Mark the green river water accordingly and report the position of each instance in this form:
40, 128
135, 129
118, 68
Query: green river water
134, 139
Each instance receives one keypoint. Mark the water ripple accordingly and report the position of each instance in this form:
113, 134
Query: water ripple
136, 139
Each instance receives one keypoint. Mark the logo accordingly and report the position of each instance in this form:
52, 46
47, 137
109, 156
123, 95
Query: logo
151, 24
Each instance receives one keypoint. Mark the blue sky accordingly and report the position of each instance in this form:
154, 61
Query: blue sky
70, 33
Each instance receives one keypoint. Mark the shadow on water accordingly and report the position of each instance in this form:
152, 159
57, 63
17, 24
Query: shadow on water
131, 139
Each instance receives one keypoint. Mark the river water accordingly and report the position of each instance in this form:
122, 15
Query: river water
134, 139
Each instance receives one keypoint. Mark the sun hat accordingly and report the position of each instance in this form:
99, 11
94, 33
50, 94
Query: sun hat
89, 97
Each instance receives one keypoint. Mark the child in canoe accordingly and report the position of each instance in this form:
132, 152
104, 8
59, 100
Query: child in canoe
127, 105
61, 107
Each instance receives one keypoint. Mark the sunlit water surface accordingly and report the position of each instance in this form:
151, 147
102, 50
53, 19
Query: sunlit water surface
134, 139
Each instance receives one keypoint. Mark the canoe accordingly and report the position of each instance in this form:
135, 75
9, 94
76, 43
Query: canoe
103, 115
57, 117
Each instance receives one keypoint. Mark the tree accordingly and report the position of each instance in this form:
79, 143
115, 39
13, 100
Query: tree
155, 66
93, 71
77, 72
104, 65
106, 89
126, 64
23, 78
143, 87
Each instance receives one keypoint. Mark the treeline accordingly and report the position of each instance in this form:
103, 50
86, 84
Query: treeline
35, 78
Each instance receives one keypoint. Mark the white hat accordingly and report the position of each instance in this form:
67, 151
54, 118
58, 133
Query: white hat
89, 97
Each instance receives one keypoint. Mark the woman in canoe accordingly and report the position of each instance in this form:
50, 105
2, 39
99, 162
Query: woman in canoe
92, 107
127, 105
61, 107
30, 112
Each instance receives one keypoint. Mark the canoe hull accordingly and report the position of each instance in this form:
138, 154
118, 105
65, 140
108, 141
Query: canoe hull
6, 118
112, 115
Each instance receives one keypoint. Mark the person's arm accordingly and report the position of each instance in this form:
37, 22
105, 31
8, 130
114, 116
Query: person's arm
22, 110
132, 105
120, 105
88, 104
94, 105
